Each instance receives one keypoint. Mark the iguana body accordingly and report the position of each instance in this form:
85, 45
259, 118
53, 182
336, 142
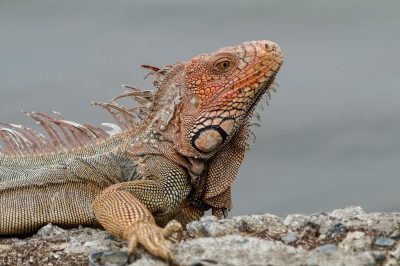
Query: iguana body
176, 157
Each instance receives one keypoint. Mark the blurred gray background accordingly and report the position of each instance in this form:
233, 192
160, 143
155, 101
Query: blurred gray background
331, 135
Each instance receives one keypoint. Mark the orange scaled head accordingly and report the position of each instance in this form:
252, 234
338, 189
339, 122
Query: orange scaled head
220, 93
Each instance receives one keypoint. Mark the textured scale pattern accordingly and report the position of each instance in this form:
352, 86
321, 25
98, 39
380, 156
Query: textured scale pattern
160, 167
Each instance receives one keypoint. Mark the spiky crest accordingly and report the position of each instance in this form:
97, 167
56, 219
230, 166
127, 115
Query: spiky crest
65, 135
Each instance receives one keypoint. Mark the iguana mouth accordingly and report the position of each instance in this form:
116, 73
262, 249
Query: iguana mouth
264, 93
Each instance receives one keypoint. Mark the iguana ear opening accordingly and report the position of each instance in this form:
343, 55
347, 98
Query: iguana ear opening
211, 133
208, 139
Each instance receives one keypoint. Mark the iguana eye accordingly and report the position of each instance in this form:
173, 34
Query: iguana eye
224, 65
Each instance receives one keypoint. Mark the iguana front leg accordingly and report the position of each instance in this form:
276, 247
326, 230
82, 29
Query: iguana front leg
134, 210
123, 215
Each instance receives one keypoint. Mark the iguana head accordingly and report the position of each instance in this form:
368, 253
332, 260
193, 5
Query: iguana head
219, 93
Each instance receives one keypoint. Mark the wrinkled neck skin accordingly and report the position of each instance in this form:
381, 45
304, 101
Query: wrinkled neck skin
163, 135
161, 128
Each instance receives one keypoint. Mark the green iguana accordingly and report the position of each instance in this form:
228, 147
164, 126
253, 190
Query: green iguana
167, 162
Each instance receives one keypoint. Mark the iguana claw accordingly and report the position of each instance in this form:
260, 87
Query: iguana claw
153, 238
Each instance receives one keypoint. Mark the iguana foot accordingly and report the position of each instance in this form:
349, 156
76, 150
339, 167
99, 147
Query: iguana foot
153, 238
171, 228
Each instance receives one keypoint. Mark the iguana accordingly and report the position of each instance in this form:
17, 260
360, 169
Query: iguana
167, 162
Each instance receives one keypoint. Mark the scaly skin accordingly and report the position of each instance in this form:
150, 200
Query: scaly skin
176, 157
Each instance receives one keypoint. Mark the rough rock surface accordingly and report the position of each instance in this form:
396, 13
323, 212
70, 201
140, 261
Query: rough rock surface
341, 237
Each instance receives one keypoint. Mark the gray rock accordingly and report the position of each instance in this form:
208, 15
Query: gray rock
391, 262
384, 223
257, 223
384, 242
21, 243
226, 251
396, 253
356, 242
328, 248
380, 256
289, 238
53, 233
395, 234
242, 240
296, 221
210, 226
114, 258
337, 229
